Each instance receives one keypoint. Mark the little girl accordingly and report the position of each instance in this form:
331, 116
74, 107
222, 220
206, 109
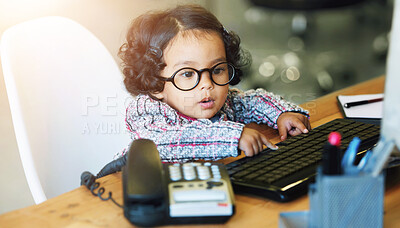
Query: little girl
178, 64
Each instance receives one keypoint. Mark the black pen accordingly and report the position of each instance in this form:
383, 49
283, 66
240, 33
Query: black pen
363, 102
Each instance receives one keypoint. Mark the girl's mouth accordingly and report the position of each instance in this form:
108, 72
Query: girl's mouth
206, 103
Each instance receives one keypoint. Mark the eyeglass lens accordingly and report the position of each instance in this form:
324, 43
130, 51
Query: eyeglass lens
188, 78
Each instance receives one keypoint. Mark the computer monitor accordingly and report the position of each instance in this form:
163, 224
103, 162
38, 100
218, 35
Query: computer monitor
390, 126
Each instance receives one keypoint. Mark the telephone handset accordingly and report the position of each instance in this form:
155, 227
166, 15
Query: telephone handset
160, 194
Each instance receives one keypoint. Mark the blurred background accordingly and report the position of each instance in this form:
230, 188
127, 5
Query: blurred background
301, 50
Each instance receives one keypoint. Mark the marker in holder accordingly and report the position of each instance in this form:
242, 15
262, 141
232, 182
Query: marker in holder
332, 155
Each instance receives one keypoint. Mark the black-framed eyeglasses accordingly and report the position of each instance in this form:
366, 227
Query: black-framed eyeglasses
188, 78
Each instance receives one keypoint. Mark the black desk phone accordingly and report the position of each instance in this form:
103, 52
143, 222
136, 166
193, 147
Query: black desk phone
163, 194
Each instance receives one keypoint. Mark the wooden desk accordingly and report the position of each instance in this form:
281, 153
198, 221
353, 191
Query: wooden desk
79, 208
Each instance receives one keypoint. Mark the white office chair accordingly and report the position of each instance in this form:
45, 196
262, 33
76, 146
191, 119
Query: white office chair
67, 102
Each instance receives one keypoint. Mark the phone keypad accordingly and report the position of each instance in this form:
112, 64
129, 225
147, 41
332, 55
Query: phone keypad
198, 189
192, 171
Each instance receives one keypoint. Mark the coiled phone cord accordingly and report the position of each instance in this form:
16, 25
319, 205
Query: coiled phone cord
89, 180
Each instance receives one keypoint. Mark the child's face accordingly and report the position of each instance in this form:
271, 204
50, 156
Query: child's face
198, 50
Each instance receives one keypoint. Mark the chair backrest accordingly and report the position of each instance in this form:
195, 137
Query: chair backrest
67, 102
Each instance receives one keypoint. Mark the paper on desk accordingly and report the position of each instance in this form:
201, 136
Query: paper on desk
372, 110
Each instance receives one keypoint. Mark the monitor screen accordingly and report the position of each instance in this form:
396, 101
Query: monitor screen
391, 104
390, 130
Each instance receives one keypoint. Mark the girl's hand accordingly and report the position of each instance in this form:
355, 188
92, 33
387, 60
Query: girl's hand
292, 123
252, 141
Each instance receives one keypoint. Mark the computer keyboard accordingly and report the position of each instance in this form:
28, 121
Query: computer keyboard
284, 174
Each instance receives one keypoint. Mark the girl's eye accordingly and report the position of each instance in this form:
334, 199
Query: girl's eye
187, 74
218, 70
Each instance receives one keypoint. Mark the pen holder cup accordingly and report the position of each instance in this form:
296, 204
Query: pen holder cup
346, 201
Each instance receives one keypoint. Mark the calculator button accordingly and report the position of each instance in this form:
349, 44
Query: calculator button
177, 186
217, 176
175, 177
204, 172
189, 172
211, 184
215, 171
175, 173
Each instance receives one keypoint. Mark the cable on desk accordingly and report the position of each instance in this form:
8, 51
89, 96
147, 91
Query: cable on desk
89, 180
113, 166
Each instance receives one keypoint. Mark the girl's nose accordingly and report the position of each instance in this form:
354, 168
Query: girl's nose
205, 81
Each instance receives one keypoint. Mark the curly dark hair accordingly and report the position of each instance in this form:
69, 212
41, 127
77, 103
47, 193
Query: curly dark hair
149, 35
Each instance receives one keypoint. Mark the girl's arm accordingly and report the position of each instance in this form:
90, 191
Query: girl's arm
259, 106
179, 138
